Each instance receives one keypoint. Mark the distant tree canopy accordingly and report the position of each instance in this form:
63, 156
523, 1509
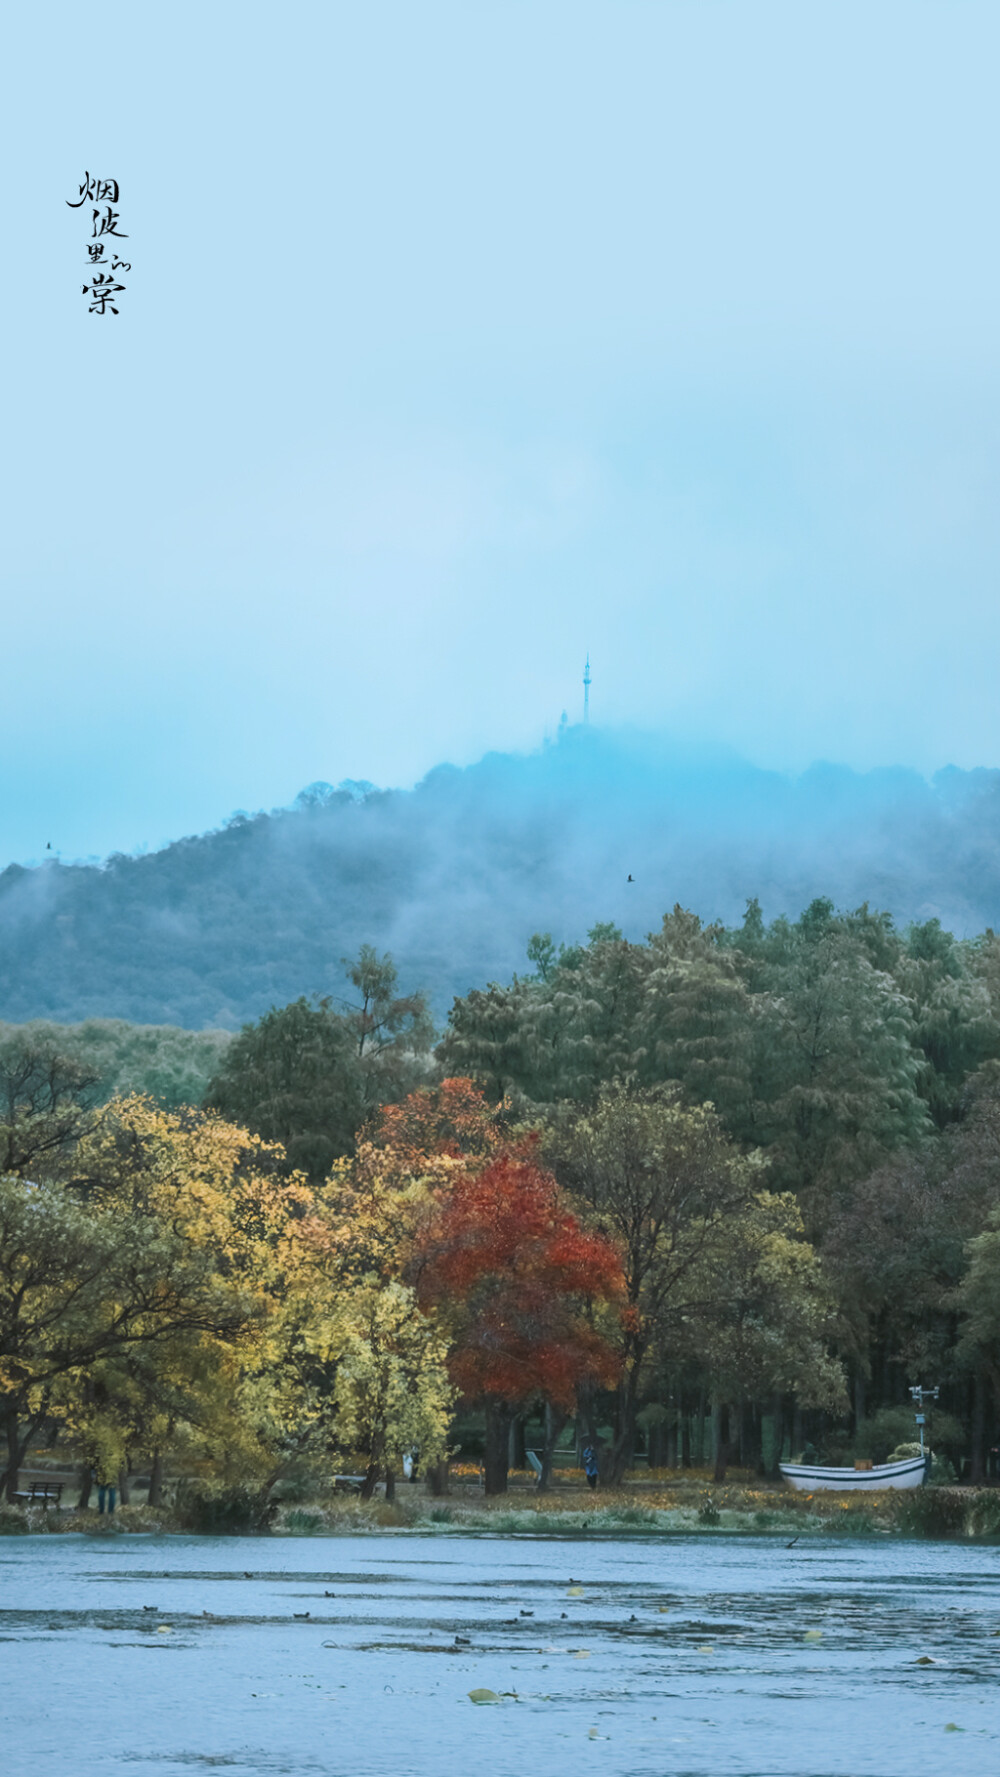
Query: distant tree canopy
172, 1065
829, 1042
292, 1078
45, 1093
307, 1075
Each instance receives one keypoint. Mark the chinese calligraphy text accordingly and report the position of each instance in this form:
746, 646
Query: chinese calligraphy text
103, 263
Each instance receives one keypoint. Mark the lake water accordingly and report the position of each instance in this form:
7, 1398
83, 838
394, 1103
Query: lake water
704, 1657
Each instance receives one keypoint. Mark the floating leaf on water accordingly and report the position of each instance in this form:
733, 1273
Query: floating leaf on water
704, 1650
594, 1734
575, 1592
952, 1727
925, 1660
582, 1653
163, 1629
665, 1608
482, 1696
813, 1635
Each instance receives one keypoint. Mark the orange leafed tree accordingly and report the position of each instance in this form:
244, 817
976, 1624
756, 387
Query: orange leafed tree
453, 1118
515, 1272
376, 1203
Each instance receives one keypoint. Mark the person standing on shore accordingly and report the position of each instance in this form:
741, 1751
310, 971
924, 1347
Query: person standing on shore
105, 1491
591, 1467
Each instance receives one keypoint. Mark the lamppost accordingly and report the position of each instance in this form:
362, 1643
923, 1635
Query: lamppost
919, 1395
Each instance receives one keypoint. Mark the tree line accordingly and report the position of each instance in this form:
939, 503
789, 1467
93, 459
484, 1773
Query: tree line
748, 1176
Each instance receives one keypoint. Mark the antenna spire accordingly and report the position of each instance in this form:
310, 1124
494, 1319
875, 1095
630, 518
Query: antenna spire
586, 691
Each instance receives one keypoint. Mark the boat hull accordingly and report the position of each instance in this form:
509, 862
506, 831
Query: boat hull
809, 1477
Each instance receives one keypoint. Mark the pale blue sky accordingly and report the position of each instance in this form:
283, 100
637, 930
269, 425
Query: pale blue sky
462, 338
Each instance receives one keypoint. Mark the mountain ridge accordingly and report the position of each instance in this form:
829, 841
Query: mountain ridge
455, 875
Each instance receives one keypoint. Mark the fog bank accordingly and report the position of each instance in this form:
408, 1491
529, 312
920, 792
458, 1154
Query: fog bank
455, 875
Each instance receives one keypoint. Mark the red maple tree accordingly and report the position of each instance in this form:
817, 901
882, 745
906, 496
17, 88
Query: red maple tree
452, 1118
514, 1271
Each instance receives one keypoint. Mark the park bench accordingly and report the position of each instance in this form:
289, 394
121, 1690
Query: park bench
348, 1483
43, 1490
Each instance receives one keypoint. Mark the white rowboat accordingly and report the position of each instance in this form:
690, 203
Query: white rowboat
810, 1477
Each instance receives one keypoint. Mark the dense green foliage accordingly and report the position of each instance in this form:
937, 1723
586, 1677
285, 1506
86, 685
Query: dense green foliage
172, 1065
829, 1042
291, 1077
308, 1076
788, 1129
860, 1064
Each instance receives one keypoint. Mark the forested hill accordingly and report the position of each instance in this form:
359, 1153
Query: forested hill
454, 876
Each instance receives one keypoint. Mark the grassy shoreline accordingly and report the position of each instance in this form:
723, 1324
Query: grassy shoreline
955, 1513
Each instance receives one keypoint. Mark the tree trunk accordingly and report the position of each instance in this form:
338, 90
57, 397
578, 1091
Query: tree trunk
721, 1415
584, 1420
371, 1477
699, 1431
622, 1451
753, 1452
555, 1419
156, 1479
498, 1417
670, 1444
390, 1484
124, 1492
777, 1437
685, 1437
86, 1483
859, 1398
17, 1450
437, 1479
977, 1465
10, 1474
517, 1455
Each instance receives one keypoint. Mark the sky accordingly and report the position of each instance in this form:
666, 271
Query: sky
463, 339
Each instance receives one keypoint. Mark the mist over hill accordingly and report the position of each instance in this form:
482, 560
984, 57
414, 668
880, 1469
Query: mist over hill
455, 875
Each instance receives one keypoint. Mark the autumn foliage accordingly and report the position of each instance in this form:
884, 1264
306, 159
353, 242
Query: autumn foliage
452, 1119
515, 1270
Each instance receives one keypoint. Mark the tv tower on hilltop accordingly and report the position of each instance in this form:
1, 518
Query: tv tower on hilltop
586, 691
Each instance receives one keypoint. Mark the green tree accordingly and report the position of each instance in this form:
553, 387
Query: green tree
392, 1393
955, 1026
241, 1386
767, 1317
978, 1300
486, 1039
308, 1076
896, 1249
662, 1180
834, 1067
392, 1033
79, 1285
696, 1017
560, 1034
46, 1095
294, 1077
